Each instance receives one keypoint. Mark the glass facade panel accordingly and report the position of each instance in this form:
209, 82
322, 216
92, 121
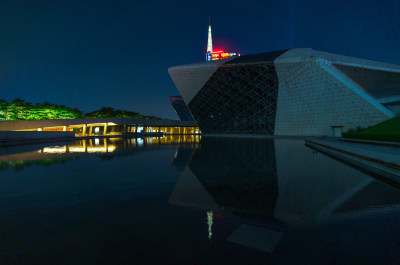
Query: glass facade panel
180, 108
238, 99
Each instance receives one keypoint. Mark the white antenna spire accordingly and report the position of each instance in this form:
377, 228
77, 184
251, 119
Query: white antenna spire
209, 42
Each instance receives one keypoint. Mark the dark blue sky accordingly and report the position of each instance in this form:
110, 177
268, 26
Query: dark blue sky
89, 54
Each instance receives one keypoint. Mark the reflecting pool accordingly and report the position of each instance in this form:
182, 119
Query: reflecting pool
192, 200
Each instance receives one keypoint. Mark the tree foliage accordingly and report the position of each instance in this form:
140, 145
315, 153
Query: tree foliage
19, 109
108, 112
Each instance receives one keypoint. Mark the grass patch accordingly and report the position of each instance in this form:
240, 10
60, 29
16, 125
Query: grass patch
386, 131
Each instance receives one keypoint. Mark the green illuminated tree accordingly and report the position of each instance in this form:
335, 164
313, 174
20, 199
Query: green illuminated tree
19, 109
108, 112
3, 109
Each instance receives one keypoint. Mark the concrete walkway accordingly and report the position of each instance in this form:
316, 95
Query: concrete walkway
382, 143
378, 159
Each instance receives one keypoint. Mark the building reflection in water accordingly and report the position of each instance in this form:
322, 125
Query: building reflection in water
83, 146
277, 180
210, 223
241, 189
234, 175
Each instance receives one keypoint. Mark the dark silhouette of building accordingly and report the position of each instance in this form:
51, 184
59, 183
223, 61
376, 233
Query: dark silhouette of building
180, 108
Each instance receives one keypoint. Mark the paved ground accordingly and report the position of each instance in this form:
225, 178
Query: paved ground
384, 143
382, 153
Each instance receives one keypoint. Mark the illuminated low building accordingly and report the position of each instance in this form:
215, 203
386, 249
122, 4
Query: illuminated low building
104, 126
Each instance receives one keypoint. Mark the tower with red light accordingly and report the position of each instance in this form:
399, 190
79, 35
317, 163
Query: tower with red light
216, 55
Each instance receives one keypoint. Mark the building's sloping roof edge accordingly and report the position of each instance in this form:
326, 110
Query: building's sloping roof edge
301, 54
200, 64
292, 53
257, 58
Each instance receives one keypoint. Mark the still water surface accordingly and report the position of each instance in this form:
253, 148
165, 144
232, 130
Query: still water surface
188, 200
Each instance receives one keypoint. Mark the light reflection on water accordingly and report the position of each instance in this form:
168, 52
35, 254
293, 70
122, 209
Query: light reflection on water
198, 196
109, 145
18, 157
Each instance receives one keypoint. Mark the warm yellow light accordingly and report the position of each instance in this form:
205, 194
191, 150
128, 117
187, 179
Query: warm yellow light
101, 149
111, 148
98, 149
76, 125
76, 149
96, 124
54, 128
55, 150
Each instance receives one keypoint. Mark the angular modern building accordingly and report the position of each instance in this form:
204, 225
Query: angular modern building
290, 92
180, 108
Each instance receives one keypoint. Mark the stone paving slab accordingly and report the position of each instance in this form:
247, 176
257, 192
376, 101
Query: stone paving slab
386, 154
382, 162
382, 143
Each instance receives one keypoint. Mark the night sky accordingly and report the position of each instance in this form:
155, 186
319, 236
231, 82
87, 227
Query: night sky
89, 54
